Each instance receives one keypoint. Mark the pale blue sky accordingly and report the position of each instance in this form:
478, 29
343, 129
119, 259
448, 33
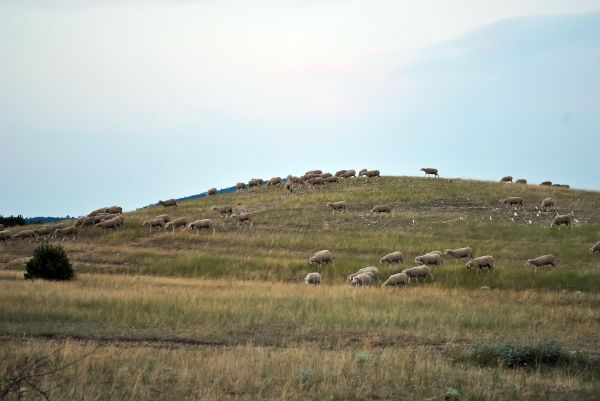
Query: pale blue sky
126, 102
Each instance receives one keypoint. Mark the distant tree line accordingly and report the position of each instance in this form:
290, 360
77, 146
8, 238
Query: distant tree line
11, 221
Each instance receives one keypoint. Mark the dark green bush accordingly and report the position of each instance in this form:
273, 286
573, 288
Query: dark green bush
49, 263
548, 353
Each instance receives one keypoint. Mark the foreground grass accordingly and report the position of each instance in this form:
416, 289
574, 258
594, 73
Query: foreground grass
226, 312
142, 372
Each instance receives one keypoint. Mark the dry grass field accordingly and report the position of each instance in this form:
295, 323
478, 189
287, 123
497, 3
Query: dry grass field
225, 315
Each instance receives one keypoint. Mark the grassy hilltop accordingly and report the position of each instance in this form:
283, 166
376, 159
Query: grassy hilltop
225, 316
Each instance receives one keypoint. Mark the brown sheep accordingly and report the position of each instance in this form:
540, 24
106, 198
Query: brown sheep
508, 178
340, 172
546, 183
396, 280
211, 192
341, 206
512, 200
543, 261
547, 203
168, 202
315, 181
430, 171
224, 210
560, 220
348, 174
381, 209
155, 222
5, 235
393, 257
115, 210
595, 248
240, 186
362, 172
317, 172
325, 175
112, 224
521, 181
255, 183
44, 231
97, 211
243, 218
332, 179
481, 262
430, 259
25, 234
372, 173
460, 253
200, 225
274, 182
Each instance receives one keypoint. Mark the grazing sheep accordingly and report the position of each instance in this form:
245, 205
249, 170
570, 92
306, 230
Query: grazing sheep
112, 223
547, 203
243, 218
165, 217
521, 181
289, 189
240, 186
546, 183
372, 173
543, 261
362, 172
508, 178
313, 278
418, 271
295, 179
594, 249
180, 222
393, 257
480, 262
341, 206
255, 183
45, 231
89, 221
168, 202
396, 280
115, 210
211, 192
370, 270
361, 280
326, 175
332, 179
307, 177
67, 231
317, 172
200, 225
274, 182
459, 253
564, 186
5, 235
512, 200
430, 171
97, 211
155, 222
435, 253
340, 172
382, 209
224, 210
319, 257
560, 220
25, 234
430, 259
348, 174
315, 181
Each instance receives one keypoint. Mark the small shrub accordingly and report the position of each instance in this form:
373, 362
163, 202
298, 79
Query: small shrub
49, 263
514, 355
305, 375
363, 357
452, 394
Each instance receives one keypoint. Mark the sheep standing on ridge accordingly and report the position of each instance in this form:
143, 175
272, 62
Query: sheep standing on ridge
115, 210
396, 280
313, 278
543, 261
547, 203
319, 257
168, 202
595, 248
211, 192
5, 235
430, 171
418, 272
348, 174
332, 179
512, 200
546, 183
112, 224
430, 259
317, 172
372, 173
274, 182
362, 172
340, 172
204, 224
240, 186
460, 253
335, 206
508, 178
67, 231
97, 211
180, 222
393, 257
481, 262
560, 220
521, 181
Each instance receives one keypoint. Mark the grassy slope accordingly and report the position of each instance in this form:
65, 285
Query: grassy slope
428, 214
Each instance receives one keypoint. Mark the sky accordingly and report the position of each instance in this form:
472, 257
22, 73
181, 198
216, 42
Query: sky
126, 102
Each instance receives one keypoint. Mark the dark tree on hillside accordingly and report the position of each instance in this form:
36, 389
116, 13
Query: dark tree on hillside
11, 221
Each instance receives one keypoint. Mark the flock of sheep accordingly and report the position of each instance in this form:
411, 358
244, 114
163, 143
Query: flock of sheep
111, 218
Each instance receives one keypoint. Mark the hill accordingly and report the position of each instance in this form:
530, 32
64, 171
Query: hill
429, 214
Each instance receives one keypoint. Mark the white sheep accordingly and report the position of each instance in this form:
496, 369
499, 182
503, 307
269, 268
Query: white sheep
543, 261
547, 203
481, 262
203, 224
168, 202
381, 209
180, 222
430, 259
396, 280
418, 271
5, 235
64, 232
361, 280
460, 253
341, 206
25, 234
370, 270
319, 257
155, 222
393, 257
312, 278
